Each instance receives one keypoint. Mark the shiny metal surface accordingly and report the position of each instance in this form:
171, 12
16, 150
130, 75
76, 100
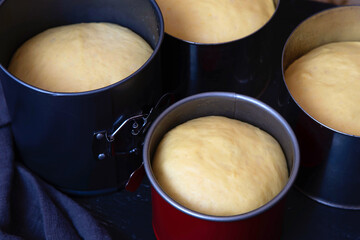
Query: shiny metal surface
54, 131
231, 105
330, 160
241, 66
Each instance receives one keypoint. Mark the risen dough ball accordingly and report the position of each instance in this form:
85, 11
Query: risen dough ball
326, 84
214, 21
79, 57
220, 166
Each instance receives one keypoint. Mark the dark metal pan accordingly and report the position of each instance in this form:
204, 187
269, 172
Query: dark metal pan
243, 65
330, 160
67, 138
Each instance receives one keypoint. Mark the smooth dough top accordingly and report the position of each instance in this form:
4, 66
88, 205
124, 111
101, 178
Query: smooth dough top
326, 84
79, 57
214, 21
220, 166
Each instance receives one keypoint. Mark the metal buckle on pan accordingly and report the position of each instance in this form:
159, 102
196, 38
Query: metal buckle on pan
136, 127
141, 122
103, 140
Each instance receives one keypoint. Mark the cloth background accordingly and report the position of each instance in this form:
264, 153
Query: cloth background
32, 209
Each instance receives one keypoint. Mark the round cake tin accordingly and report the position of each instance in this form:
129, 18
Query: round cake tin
83, 142
243, 65
174, 221
330, 160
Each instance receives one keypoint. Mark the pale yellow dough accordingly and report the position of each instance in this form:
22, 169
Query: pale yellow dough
214, 21
220, 166
80, 57
326, 84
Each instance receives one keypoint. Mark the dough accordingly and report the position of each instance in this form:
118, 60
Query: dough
214, 21
220, 166
326, 84
79, 57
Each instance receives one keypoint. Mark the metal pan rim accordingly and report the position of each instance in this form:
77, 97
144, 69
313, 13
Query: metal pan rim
267, 206
283, 70
227, 42
103, 89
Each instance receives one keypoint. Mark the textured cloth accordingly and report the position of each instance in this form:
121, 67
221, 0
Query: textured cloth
32, 209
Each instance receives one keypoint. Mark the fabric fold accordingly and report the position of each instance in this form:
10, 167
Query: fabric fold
32, 209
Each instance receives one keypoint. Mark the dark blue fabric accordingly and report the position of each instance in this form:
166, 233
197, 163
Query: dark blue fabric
32, 209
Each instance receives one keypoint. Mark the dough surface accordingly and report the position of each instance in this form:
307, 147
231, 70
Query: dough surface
326, 84
220, 166
214, 21
79, 57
